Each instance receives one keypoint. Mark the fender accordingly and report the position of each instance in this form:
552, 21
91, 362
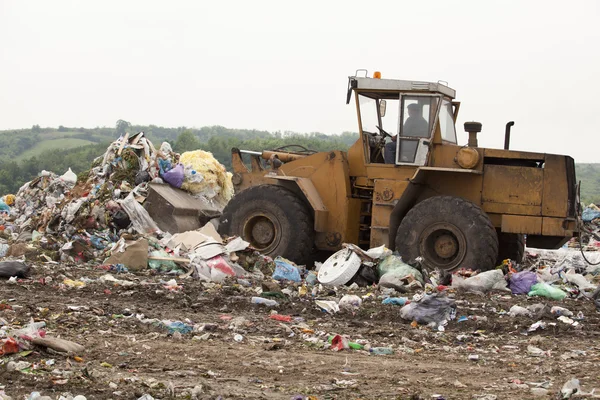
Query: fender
409, 198
307, 189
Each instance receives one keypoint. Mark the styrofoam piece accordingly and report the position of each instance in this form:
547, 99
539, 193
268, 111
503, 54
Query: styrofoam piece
339, 268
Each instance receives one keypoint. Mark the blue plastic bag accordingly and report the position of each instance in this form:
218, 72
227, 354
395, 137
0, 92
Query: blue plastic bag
521, 282
589, 215
397, 301
175, 176
285, 270
164, 166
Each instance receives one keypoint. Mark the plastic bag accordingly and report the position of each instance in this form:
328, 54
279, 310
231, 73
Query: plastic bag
379, 252
174, 176
31, 331
400, 268
546, 290
518, 310
3, 249
483, 282
434, 310
141, 177
69, 177
397, 301
285, 270
589, 214
8, 269
521, 282
142, 222
350, 302
579, 280
161, 265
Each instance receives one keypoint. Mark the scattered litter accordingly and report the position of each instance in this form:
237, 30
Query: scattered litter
434, 310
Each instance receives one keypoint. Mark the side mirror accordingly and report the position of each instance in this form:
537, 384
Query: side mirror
382, 106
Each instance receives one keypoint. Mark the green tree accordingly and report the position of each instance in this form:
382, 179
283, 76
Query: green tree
186, 141
122, 126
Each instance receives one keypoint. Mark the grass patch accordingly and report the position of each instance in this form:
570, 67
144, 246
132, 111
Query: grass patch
45, 145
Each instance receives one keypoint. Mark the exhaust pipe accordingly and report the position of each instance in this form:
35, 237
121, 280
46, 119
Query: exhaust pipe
507, 135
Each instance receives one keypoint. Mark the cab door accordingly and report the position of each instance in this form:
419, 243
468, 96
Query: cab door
416, 125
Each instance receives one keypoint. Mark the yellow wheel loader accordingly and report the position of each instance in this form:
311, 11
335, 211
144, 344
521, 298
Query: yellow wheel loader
407, 184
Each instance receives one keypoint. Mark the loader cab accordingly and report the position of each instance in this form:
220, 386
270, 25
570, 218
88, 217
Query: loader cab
414, 114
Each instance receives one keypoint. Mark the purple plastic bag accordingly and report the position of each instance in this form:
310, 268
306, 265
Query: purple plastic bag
521, 282
174, 176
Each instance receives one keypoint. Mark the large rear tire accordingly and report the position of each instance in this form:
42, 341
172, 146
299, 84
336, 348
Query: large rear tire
273, 220
449, 233
511, 246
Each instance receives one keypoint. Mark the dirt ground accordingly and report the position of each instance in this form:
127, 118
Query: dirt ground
126, 357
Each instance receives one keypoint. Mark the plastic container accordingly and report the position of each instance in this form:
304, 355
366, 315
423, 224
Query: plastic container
339, 268
263, 301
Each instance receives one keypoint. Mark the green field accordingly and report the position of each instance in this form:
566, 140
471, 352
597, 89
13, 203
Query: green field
45, 145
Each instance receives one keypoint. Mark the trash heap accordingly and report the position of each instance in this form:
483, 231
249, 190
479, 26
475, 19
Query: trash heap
79, 219
590, 234
554, 275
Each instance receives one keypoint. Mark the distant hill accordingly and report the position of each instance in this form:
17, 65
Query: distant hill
589, 175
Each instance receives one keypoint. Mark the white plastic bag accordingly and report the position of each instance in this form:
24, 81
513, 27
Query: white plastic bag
579, 280
141, 220
69, 177
483, 282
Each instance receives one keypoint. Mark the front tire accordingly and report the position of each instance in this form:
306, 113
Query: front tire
273, 220
449, 233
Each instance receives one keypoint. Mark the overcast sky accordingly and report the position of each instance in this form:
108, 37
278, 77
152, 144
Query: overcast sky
283, 65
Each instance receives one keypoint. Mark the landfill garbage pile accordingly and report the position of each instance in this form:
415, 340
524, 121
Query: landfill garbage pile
63, 218
590, 232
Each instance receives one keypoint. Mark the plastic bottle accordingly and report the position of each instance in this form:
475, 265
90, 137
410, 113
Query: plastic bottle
382, 351
266, 302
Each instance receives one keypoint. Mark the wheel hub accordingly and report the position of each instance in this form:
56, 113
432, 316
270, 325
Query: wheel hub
443, 245
262, 232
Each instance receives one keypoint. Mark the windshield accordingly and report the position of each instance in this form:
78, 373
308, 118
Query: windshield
369, 119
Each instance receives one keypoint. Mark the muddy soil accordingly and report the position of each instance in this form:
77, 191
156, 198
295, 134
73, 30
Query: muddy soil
127, 356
